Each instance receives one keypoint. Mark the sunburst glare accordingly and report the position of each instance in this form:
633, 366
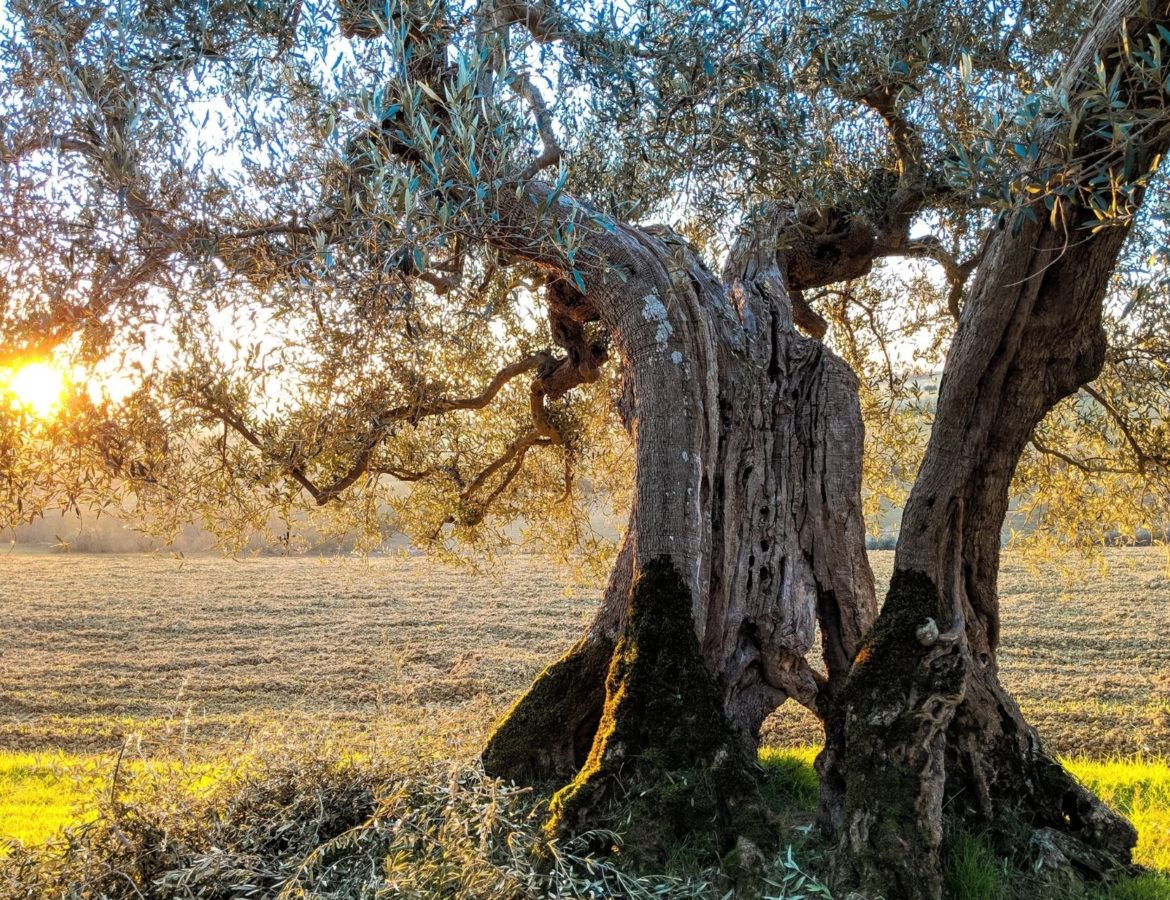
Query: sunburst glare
37, 387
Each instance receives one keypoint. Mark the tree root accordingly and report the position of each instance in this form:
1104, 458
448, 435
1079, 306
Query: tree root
547, 733
1001, 781
935, 745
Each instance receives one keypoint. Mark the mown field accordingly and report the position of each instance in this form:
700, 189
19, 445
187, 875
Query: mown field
206, 650
151, 658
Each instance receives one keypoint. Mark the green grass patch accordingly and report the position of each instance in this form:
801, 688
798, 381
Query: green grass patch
974, 872
229, 813
789, 780
1140, 790
42, 793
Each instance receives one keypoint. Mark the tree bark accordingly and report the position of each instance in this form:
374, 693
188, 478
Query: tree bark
925, 705
748, 442
934, 741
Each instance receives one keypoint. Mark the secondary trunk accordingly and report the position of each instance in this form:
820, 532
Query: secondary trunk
926, 708
748, 439
934, 741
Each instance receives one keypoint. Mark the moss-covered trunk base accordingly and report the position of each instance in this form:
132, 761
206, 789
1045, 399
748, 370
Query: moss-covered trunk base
902, 692
547, 734
666, 768
934, 746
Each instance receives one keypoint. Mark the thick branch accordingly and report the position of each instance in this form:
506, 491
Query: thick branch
957, 273
806, 318
551, 153
907, 141
417, 411
514, 454
63, 143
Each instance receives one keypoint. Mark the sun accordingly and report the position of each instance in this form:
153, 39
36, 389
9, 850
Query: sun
37, 387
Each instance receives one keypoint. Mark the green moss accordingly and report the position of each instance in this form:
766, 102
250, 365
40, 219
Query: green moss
891, 652
666, 765
540, 738
884, 673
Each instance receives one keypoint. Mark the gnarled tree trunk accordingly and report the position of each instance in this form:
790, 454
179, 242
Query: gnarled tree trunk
933, 738
926, 708
748, 442
746, 529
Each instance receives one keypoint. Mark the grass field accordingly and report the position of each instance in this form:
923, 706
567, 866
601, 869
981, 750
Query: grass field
95, 648
145, 659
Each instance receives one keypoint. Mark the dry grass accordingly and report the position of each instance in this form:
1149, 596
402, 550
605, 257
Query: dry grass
207, 663
317, 818
1090, 659
209, 651
96, 647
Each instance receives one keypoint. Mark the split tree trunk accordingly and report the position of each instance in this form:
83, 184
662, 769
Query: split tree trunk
934, 741
746, 529
748, 442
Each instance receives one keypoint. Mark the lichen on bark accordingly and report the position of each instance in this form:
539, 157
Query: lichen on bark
666, 767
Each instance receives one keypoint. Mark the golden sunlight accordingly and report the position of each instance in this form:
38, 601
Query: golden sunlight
37, 387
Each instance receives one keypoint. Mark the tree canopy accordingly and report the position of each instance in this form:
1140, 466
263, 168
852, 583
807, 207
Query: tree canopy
256, 235
396, 263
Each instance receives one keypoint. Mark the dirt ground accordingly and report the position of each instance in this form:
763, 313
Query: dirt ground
204, 652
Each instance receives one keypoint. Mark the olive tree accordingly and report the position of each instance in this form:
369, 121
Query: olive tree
381, 255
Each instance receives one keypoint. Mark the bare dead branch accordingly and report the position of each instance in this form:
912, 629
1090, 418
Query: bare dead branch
551, 153
539, 19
